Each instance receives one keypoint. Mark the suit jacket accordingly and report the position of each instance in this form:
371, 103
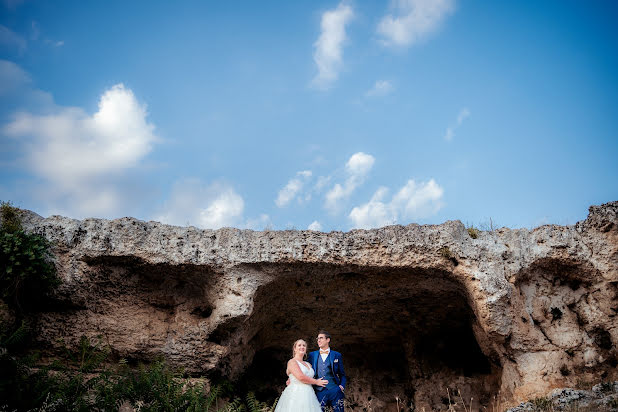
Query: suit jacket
336, 364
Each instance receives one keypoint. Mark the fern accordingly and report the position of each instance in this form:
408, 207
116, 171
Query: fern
234, 406
18, 337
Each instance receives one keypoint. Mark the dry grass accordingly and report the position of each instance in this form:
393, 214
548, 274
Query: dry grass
473, 232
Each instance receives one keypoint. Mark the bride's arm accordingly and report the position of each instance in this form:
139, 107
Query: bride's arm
294, 369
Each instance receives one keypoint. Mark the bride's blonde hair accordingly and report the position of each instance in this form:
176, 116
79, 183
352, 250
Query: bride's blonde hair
294, 348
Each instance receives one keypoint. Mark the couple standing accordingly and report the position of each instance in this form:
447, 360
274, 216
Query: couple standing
323, 369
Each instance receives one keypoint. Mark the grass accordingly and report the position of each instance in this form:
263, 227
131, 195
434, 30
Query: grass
85, 380
446, 253
473, 232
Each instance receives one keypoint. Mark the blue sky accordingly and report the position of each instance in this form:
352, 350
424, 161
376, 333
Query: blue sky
324, 115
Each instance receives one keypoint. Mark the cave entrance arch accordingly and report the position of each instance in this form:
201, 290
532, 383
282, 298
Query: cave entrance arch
403, 332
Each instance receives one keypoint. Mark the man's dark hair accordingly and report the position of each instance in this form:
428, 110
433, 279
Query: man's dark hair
323, 332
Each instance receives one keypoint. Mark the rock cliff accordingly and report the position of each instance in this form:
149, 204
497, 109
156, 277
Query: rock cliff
414, 309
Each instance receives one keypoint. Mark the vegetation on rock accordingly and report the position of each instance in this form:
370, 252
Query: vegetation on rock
27, 271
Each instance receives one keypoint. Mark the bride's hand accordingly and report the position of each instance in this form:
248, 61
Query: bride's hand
322, 382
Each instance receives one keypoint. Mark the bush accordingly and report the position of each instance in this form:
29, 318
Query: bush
83, 380
27, 272
473, 232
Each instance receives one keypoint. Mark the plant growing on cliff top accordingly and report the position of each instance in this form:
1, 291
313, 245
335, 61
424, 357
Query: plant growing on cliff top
473, 232
27, 273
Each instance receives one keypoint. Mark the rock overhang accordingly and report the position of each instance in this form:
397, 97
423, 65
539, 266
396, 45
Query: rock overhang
216, 301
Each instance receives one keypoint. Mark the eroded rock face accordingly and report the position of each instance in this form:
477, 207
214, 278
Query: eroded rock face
414, 310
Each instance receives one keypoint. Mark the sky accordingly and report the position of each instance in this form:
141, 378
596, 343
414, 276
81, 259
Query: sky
319, 115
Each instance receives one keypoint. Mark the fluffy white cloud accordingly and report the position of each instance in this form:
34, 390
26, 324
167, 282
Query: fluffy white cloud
412, 201
70, 147
380, 88
83, 157
328, 48
450, 131
357, 168
412, 20
315, 225
205, 206
359, 164
292, 188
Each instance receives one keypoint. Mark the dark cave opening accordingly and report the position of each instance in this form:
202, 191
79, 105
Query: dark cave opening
394, 328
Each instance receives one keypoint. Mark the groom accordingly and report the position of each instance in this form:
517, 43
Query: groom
328, 365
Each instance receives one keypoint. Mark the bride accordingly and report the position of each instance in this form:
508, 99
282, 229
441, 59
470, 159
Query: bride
299, 395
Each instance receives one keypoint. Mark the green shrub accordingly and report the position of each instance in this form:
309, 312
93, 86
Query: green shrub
10, 217
27, 272
83, 380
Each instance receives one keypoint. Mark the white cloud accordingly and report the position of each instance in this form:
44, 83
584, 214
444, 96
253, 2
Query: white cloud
292, 188
315, 225
413, 20
70, 146
328, 48
16, 88
450, 131
412, 201
10, 39
12, 77
380, 88
205, 206
357, 169
322, 182
84, 157
463, 115
359, 164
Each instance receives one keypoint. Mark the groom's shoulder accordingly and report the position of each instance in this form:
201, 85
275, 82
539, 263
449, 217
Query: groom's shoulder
335, 353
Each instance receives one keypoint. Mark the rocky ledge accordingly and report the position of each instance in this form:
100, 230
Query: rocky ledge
414, 309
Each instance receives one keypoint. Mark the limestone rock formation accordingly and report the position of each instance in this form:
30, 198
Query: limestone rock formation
414, 309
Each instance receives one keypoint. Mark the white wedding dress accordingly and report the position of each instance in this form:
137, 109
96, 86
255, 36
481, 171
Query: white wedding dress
298, 396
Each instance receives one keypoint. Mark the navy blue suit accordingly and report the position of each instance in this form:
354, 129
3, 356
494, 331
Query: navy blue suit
333, 366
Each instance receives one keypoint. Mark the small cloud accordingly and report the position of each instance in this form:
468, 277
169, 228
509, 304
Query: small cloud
449, 134
292, 188
357, 169
315, 225
206, 206
11, 40
463, 115
450, 131
35, 32
412, 201
262, 222
328, 48
413, 20
380, 88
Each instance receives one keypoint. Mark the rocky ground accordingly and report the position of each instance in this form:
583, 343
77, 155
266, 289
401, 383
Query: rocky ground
602, 397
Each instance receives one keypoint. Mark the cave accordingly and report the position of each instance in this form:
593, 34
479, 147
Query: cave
404, 333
